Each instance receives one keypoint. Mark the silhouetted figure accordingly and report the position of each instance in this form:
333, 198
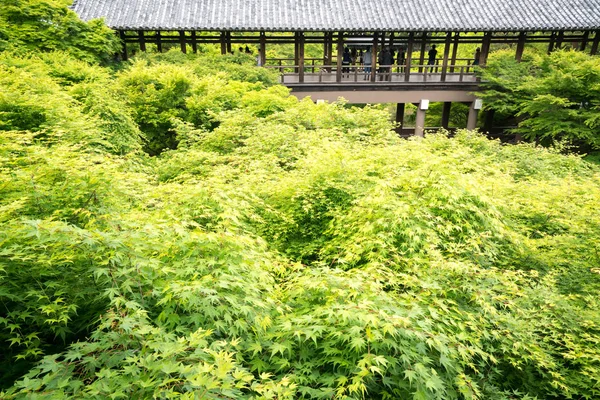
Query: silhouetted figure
432, 54
477, 56
367, 59
346, 60
248, 51
388, 60
401, 59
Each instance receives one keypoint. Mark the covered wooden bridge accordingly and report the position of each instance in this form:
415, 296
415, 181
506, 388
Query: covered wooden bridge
405, 27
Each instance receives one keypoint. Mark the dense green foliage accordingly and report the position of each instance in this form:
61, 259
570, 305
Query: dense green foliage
263, 247
556, 97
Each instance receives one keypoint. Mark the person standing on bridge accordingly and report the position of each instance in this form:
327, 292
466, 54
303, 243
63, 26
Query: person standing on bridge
367, 61
432, 54
346, 60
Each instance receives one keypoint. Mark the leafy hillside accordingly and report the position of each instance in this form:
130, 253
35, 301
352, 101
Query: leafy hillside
180, 227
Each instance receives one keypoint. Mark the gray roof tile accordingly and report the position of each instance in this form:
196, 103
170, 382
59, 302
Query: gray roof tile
344, 15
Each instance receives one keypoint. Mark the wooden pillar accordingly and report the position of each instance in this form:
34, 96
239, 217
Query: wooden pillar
551, 44
485, 48
262, 51
223, 43
595, 43
194, 42
301, 57
446, 114
420, 121
340, 56
326, 60
409, 51
520, 46
400, 117
330, 48
124, 46
559, 39
182, 42
454, 51
296, 51
584, 40
489, 120
446, 54
472, 118
142, 40
159, 47
422, 55
228, 42
374, 54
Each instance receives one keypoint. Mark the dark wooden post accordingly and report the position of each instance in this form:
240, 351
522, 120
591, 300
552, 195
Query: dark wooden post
400, 117
262, 51
454, 51
489, 120
595, 43
446, 54
124, 44
551, 43
422, 55
584, 40
296, 51
142, 40
301, 57
409, 51
374, 57
228, 42
340, 56
159, 42
182, 43
520, 46
223, 43
559, 39
326, 59
485, 48
446, 114
194, 42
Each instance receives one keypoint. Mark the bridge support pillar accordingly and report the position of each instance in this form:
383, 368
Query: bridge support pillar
400, 117
420, 117
446, 114
472, 118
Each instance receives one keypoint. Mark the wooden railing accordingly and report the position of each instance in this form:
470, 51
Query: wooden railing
329, 73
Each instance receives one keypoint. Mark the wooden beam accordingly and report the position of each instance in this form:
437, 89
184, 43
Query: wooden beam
301, 57
551, 43
409, 51
446, 114
194, 42
223, 39
263, 49
228, 42
485, 48
400, 117
182, 42
159, 42
595, 43
340, 56
520, 46
454, 51
142, 40
374, 52
584, 40
559, 39
124, 46
422, 55
446, 54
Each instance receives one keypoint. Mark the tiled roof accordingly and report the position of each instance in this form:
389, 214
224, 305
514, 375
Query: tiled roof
344, 15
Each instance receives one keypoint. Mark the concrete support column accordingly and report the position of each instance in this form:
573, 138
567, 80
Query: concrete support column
472, 119
446, 114
420, 117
